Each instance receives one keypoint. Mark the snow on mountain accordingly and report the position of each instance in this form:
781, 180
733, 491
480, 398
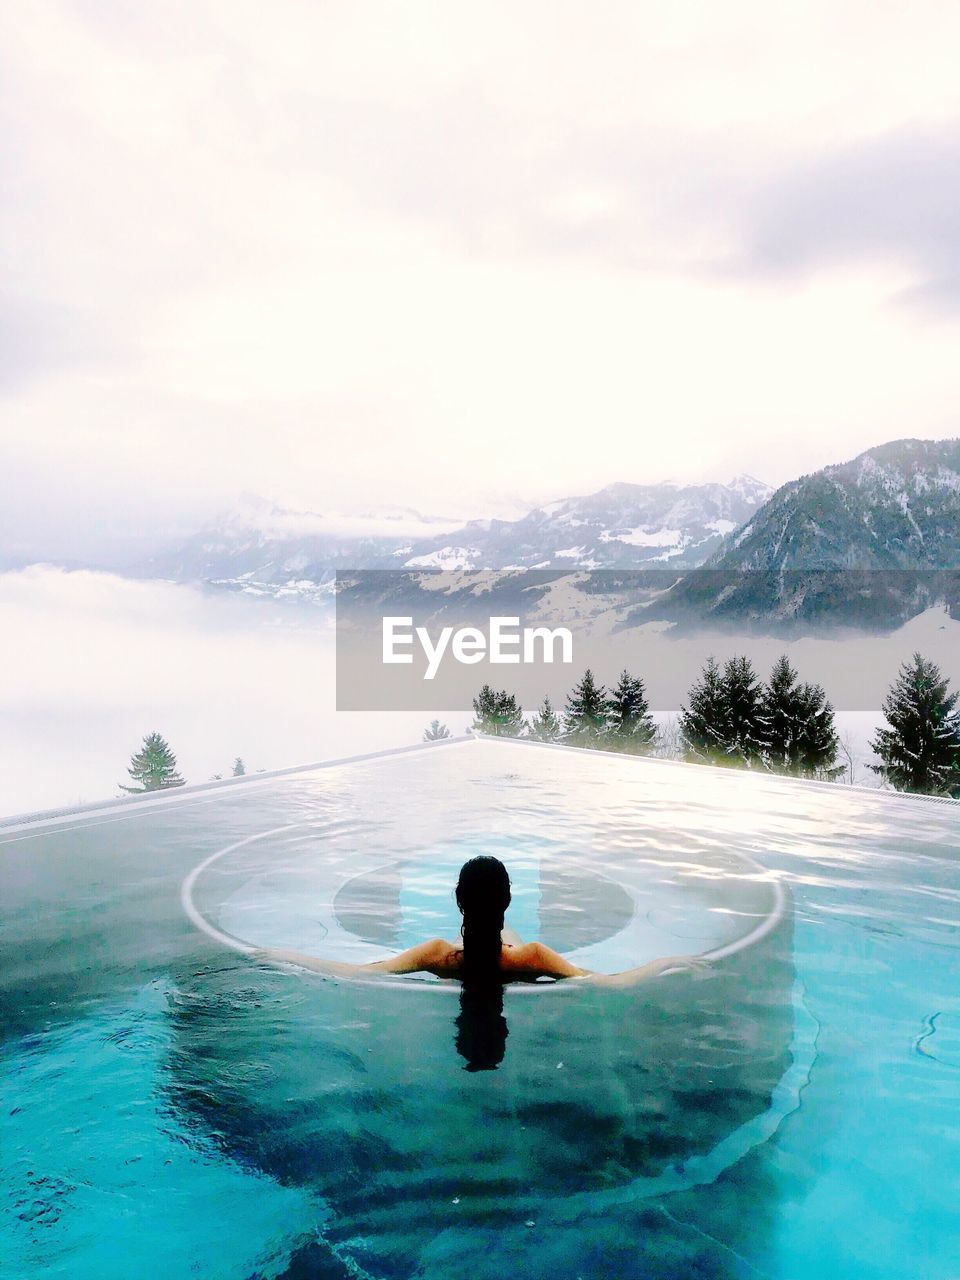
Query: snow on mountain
872, 541
445, 558
624, 526
894, 507
263, 548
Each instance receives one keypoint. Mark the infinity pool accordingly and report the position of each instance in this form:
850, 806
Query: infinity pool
170, 1107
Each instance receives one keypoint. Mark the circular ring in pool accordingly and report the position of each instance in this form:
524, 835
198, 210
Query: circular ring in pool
385, 908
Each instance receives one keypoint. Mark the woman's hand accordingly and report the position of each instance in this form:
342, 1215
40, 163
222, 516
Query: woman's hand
682, 964
652, 969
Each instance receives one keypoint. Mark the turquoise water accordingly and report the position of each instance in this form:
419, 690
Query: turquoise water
171, 1108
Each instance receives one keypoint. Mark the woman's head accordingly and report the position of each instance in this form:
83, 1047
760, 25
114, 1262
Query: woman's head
483, 888
483, 895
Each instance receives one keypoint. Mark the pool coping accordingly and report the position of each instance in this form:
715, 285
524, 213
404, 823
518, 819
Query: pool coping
731, 771
154, 799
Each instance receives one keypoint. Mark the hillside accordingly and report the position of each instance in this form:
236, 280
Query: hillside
869, 542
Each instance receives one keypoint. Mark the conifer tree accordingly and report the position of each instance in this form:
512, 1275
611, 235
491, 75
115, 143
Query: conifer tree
239, 768
586, 717
782, 711
703, 721
154, 766
631, 727
798, 726
497, 712
818, 744
510, 722
485, 710
545, 726
435, 732
744, 728
920, 750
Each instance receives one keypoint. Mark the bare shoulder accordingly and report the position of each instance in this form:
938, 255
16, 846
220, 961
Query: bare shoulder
437, 955
521, 957
444, 957
433, 956
539, 959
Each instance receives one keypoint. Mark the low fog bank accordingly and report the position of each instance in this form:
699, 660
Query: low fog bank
92, 662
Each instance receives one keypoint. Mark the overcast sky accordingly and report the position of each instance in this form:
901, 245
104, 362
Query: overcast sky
452, 255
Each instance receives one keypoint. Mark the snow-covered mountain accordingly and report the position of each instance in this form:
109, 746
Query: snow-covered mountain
894, 507
870, 542
624, 526
262, 548
866, 544
266, 549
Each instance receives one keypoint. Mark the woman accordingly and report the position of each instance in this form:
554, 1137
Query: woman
490, 954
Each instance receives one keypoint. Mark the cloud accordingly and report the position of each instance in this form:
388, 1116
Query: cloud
890, 198
363, 255
38, 338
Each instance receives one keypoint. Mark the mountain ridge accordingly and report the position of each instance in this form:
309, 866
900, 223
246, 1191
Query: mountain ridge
866, 542
625, 525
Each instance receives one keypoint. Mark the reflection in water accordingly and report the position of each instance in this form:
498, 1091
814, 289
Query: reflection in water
481, 1027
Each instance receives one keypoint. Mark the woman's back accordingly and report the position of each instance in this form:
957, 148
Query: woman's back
517, 959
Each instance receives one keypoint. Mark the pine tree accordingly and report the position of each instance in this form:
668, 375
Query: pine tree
724, 721
239, 768
509, 715
586, 717
485, 710
154, 766
798, 726
631, 727
920, 751
545, 726
744, 727
703, 722
782, 713
497, 712
435, 732
818, 745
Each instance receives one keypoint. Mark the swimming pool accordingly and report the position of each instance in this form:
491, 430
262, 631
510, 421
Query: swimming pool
171, 1107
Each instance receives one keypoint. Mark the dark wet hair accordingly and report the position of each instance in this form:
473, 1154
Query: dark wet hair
483, 895
481, 1027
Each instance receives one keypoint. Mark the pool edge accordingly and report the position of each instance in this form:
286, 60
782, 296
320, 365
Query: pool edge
50, 817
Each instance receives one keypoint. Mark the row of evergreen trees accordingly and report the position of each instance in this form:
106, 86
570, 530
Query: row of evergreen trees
731, 717
618, 720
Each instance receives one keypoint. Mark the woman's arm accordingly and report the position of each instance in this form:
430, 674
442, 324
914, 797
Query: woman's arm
430, 956
537, 958
652, 969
